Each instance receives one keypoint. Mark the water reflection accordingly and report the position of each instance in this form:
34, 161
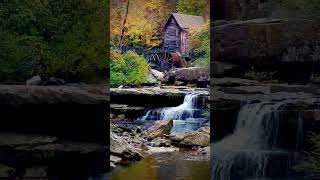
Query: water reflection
165, 166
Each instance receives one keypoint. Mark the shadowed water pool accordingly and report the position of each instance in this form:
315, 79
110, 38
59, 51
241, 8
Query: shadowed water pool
164, 166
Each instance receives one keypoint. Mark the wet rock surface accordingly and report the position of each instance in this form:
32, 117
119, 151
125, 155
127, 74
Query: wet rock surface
200, 138
40, 155
193, 75
125, 112
258, 126
229, 95
163, 96
130, 144
160, 128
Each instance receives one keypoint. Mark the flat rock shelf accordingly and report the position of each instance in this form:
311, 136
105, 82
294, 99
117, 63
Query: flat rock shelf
54, 131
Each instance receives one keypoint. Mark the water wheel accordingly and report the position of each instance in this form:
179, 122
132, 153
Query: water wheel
167, 61
171, 60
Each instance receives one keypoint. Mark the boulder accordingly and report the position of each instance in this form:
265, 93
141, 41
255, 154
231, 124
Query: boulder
35, 80
191, 74
150, 80
121, 148
160, 142
169, 78
159, 129
200, 137
267, 41
197, 138
176, 138
157, 74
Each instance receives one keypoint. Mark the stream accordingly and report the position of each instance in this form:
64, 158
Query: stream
255, 150
187, 117
164, 166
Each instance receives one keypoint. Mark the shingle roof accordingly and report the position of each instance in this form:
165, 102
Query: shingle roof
188, 21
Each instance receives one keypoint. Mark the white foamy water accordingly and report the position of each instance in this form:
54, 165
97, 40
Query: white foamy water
252, 149
187, 109
186, 117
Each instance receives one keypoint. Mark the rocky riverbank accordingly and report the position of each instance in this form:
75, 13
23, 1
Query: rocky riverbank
140, 128
132, 144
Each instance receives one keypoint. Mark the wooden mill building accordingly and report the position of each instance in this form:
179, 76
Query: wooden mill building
176, 31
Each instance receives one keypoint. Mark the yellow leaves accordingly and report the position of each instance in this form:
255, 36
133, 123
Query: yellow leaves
145, 21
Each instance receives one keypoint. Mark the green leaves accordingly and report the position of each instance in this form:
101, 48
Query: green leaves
193, 7
200, 46
67, 39
128, 69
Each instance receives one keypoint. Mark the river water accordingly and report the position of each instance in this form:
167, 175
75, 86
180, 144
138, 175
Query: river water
164, 166
187, 117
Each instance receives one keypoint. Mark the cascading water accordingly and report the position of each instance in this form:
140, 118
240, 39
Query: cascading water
253, 150
186, 117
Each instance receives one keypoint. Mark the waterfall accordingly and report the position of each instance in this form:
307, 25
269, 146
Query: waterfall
185, 116
190, 108
184, 111
253, 150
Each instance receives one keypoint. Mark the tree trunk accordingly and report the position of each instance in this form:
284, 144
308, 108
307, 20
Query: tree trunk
123, 27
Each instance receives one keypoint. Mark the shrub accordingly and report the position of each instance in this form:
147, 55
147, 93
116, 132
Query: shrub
200, 46
127, 69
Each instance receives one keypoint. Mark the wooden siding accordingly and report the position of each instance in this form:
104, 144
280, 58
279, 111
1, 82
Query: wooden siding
172, 39
184, 41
